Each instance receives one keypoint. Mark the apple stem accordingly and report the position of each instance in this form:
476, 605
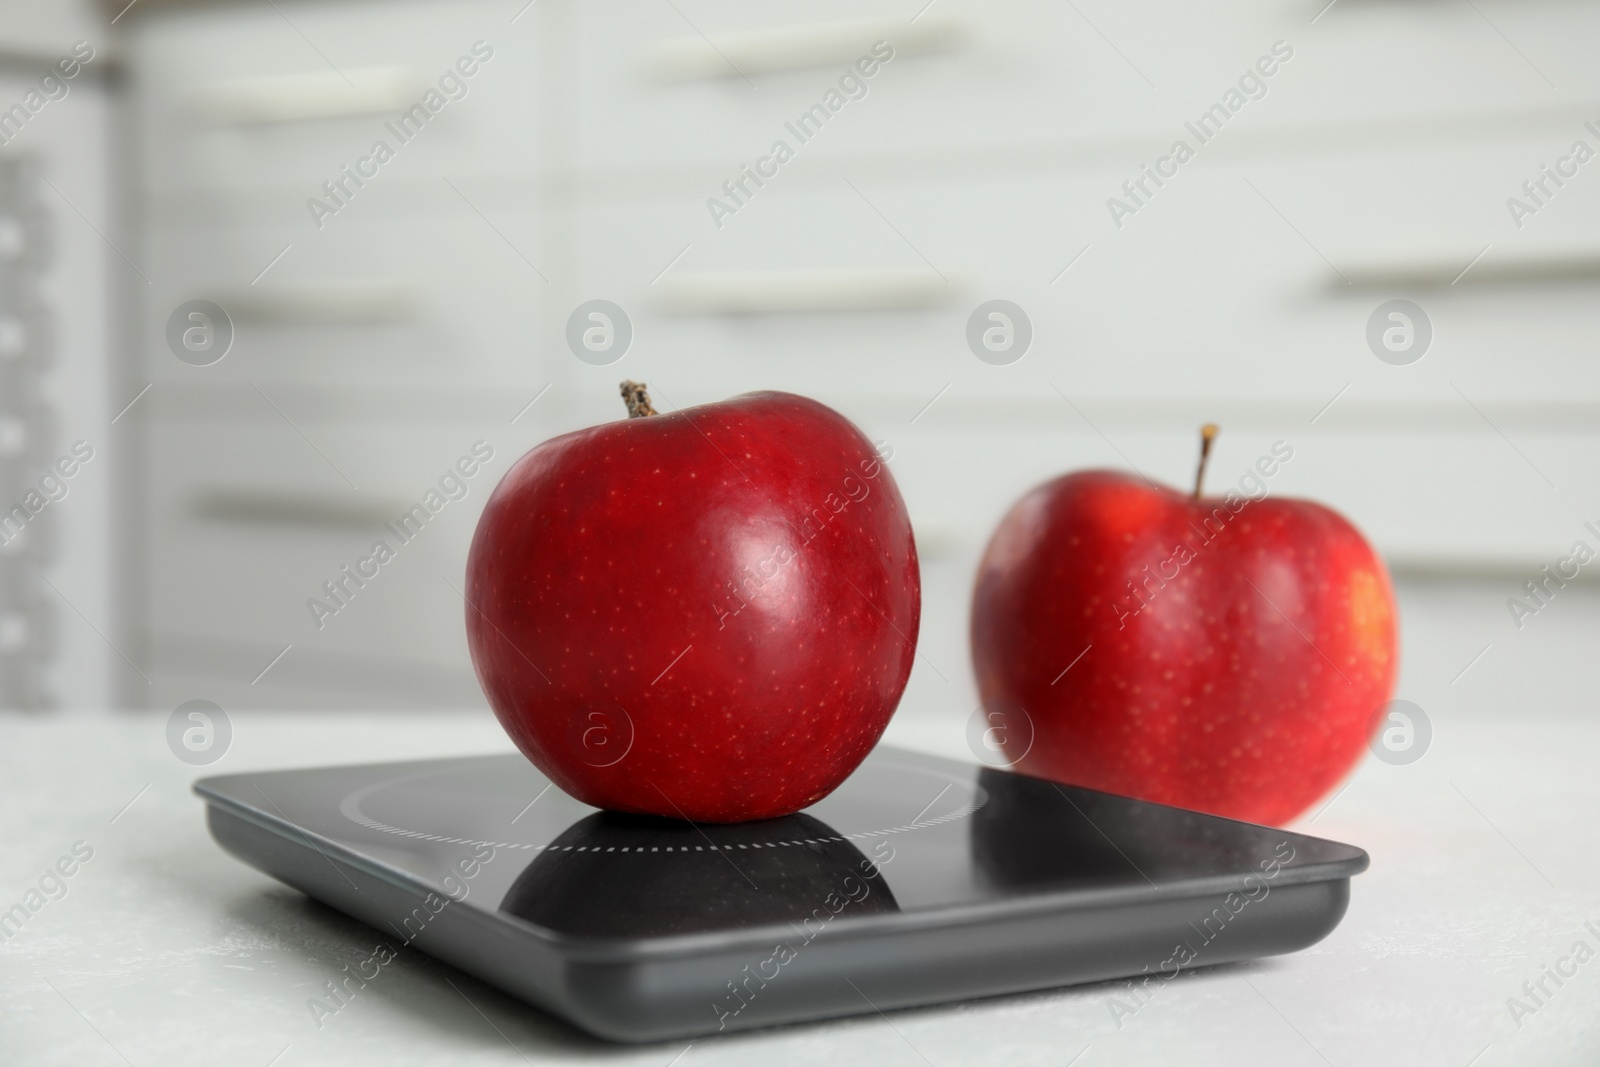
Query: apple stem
637, 399
1208, 434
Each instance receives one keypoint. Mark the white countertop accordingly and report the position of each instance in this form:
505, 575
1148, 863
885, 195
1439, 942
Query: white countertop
164, 950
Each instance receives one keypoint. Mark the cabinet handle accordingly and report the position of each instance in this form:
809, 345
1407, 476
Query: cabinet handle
788, 291
269, 508
329, 302
793, 47
313, 95
1489, 271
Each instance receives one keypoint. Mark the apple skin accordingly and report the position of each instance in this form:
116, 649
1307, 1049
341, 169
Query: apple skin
1245, 686
707, 615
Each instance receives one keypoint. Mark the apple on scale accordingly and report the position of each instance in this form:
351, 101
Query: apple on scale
708, 614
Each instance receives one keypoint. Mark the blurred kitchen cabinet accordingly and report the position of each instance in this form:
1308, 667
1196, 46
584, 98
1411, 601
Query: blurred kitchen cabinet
818, 200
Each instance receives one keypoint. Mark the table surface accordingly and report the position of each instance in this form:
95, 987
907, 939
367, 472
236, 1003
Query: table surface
163, 949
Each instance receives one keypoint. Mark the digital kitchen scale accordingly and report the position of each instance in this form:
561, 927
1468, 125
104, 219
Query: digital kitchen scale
918, 881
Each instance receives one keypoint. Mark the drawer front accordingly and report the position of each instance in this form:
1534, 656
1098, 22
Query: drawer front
261, 95
420, 291
1014, 77
257, 538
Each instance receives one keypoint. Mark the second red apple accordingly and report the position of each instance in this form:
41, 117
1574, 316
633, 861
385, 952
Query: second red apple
1225, 654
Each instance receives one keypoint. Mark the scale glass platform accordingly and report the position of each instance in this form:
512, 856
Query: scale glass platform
918, 881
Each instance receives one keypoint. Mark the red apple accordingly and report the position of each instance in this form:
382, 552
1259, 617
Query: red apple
1236, 652
706, 615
